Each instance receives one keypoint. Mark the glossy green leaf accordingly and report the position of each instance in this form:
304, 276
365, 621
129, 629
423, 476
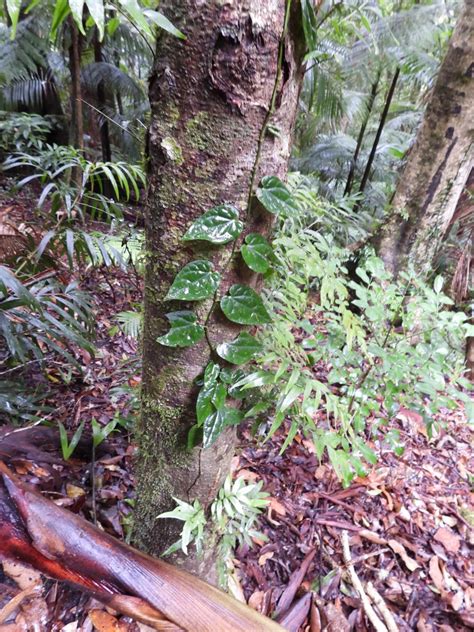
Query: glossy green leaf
13, 10
61, 11
194, 282
241, 350
212, 394
185, 330
215, 423
219, 225
162, 21
96, 10
275, 196
256, 252
244, 306
77, 7
136, 15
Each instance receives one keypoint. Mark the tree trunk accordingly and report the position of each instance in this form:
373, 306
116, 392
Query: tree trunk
211, 99
439, 162
77, 121
101, 103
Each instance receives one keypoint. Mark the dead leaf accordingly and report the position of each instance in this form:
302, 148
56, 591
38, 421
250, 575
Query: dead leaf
399, 549
266, 556
457, 601
256, 600
436, 574
23, 576
103, 621
450, 540
277, 507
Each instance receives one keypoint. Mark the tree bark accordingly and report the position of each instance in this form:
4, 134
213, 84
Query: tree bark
101, 103
77, 121
439, 162
211, 97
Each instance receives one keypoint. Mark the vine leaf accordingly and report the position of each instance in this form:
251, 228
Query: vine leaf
240, 350
212, 394
215, 423
220, 225
244, 306
257, 252
275, 196
194, 282
185, 330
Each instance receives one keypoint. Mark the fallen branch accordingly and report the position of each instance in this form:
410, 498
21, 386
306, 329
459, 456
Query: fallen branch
66, 547
382, 607
369, 611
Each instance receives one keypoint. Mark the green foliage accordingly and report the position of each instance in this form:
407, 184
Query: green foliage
130, 323
234, 513
219, 226
389, 344
40, 316
241, 350
257, 253
244, 306
185, 330
100, 433
71, 202
195, 282
275, 196
68, 447
22, 132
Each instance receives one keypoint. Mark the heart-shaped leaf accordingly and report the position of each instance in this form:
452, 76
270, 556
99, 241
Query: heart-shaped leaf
219, 420
256, 252
194, 282
185, 330
220, 225
240, 350
275, 196
244, 306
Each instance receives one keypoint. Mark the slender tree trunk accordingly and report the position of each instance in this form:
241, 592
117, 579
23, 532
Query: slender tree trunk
439, 163
360, 138
383, 118
77, 121
101, 102
211, 97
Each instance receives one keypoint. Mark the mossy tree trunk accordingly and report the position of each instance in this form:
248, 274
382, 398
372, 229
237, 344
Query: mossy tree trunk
439, 163
213, 136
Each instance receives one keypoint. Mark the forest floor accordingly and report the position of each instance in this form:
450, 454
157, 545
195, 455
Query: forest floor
408, 525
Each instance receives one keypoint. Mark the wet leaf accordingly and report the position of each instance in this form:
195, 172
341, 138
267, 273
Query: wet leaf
219, 420
275, 196
195, 282
241, 350
220, 225
185, 330
257, 252
244, 306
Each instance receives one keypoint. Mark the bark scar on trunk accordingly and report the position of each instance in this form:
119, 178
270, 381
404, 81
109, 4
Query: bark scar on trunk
238, 61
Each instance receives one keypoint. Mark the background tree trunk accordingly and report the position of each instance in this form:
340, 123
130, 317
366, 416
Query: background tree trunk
77, 121
439, 162
210, 97
101, 103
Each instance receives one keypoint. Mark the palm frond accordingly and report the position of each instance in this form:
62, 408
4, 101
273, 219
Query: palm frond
112, 80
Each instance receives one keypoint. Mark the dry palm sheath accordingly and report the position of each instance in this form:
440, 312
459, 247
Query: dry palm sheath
66, 547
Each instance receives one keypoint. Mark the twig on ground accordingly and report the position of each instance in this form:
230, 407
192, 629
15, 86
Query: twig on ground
369, 611
382, 607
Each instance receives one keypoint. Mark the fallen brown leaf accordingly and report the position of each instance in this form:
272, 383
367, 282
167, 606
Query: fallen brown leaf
450, 540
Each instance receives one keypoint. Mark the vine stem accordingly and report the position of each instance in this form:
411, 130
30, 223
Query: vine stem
253, 173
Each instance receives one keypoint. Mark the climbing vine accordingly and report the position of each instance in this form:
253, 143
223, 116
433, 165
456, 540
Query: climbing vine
199, 281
